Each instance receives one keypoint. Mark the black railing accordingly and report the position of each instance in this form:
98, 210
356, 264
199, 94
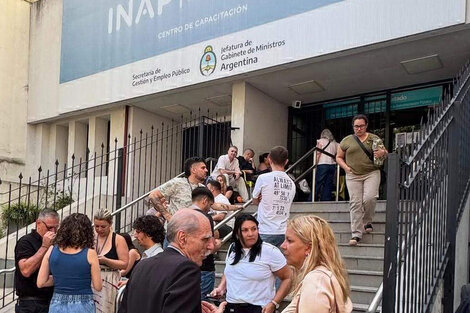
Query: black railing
113, 178
428, 186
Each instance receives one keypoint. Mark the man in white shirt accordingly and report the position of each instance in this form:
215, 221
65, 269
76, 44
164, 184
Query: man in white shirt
149, 233
216, 189
274, 193
228, 165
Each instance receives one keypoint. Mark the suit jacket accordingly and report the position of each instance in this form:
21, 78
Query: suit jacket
166, 283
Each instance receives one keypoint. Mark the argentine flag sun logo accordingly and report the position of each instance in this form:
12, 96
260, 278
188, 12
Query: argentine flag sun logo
208, 61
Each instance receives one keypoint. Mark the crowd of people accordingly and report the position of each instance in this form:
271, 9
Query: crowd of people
74, 267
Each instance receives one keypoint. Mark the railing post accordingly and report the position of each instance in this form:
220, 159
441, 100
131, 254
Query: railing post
337, 182
391, 234
119, 187
314, 174
200, 144
452, 208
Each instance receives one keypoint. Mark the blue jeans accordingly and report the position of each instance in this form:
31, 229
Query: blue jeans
275, 240
72, 304
207, 283
324, 181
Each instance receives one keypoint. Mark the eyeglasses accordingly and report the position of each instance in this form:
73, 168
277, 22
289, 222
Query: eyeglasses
359, 126
50, 228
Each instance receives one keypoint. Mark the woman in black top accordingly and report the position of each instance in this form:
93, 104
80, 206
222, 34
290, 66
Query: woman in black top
113, 256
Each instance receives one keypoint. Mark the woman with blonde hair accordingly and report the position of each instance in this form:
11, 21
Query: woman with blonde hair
322, 284
113, 256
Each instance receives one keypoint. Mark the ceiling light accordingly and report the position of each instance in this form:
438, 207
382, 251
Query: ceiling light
307, 87
221, 101
423, 64
176, 108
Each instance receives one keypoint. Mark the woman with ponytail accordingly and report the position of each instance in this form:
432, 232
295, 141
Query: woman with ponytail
321, 284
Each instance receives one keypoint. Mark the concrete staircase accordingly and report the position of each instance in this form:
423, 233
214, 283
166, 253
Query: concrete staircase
363, 262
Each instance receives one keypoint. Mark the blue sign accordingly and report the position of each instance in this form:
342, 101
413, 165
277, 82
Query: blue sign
104, 34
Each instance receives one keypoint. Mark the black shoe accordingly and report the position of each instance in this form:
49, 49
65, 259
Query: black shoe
368, 228
354, 241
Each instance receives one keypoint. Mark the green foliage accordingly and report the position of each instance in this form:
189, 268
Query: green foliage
61, 201
20, 214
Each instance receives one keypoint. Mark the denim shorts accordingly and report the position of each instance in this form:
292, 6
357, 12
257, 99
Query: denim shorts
61, 303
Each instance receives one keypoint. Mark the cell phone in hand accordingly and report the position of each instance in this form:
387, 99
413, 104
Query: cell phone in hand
216, 300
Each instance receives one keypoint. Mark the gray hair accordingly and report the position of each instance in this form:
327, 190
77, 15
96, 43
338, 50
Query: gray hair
104, 215
326, 133
186, 222
48, 213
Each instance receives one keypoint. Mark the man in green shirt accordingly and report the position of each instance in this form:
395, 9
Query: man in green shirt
359, 155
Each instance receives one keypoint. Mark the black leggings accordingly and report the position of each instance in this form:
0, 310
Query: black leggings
242, 308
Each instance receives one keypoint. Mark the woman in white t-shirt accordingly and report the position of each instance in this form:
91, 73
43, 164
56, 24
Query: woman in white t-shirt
326, 166
250, 271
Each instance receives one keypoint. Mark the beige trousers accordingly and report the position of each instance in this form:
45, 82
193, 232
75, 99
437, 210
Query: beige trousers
363, 193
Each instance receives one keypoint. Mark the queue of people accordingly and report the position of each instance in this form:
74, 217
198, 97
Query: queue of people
75, 268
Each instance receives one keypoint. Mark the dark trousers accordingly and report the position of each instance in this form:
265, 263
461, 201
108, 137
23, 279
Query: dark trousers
242, 308
32, 306
324, 181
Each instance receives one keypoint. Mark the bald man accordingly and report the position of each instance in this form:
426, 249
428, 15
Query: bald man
170, 281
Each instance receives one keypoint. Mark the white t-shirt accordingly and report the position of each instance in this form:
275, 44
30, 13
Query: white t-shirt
224, 163
277, 191
253, 282
220, 198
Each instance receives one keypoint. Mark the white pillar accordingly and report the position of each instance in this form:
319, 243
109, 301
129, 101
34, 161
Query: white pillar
262, 120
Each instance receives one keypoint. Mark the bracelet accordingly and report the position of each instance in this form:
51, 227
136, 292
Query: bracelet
275, 304
43, 246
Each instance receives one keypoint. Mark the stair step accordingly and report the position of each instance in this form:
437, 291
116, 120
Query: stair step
365, 249
365, 278
355, 262
345, 225
360, 308
333, 214
374, 237
362, 294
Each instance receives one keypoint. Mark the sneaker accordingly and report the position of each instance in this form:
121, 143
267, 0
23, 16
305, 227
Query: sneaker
368, 228
354, 241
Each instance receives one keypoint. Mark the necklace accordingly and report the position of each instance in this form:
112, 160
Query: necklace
98, 250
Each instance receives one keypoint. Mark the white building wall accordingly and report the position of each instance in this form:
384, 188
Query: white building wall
44, 61
14, 53
262, 120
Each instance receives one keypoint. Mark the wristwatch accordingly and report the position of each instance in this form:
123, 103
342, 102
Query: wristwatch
275, 304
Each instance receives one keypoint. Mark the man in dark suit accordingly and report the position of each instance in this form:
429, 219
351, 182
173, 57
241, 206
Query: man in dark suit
170, 281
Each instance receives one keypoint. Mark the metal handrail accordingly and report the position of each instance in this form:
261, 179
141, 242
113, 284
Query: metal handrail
376, 300
7, 270
461, 92
250, 201
12, 269
145, 195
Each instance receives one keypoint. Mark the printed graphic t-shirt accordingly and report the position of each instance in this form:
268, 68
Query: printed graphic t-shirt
277, 192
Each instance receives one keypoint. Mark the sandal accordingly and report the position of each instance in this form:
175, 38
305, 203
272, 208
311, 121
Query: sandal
368, 228
354, 241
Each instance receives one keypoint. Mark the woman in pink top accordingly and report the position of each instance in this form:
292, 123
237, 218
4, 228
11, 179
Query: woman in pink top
322, 284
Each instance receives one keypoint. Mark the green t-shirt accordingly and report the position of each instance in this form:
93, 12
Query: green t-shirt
355, 157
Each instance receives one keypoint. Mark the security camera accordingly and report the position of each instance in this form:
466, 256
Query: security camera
296, 104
